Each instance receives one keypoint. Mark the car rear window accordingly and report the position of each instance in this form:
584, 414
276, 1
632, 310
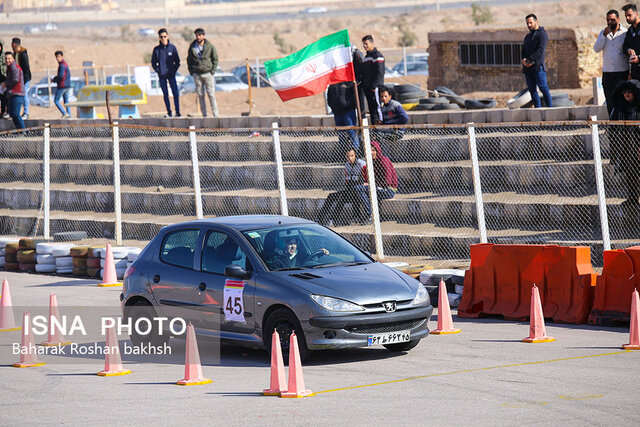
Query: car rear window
178, 248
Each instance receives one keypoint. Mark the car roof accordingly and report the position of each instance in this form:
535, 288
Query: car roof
248, 222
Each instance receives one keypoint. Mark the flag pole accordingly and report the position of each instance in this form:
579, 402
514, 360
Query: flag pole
358, 110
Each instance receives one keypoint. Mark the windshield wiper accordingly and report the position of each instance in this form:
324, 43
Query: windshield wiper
292, 268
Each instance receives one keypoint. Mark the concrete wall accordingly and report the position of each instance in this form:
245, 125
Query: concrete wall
445, 69
496, 115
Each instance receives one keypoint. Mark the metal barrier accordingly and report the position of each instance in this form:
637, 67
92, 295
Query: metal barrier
551, 182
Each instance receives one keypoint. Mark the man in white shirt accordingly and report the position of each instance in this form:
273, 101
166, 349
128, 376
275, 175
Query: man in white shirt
615, 63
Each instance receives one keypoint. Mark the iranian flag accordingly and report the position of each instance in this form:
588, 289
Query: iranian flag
311, 69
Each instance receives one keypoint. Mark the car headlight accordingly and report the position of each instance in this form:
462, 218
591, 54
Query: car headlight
422, 296
335, 304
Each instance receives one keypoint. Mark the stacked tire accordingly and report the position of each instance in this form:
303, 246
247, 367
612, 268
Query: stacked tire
120, 259
11, 256
454, 282
93, 261
3, 243
26, 254
64, 260
435, 104
408, 94
45, 261
132, 255
79, 255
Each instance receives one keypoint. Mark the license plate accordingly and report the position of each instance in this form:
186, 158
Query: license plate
389, 338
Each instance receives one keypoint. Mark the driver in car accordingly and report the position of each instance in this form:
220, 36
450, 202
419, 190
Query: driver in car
291, 258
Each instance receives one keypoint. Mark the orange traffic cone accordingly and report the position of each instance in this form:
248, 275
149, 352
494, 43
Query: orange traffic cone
28, 350
634, 331
296, 380
192, 366
55, 336
7, 321
537, 331
109, 278
445, 321
278, 378
112, 360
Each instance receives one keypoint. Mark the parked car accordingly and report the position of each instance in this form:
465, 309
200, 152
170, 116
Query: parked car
31, 29
235, 278
39, 93
146, 32
225, 82
50, 26
121, 79
241, 72
417, 64
315, 9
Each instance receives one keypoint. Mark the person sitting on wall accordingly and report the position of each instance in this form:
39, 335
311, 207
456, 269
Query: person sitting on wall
385, 176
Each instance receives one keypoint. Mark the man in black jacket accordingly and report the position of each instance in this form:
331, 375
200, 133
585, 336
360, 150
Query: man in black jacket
533, 65
341, 97
372, 78
22, 57
631, 45
165, 61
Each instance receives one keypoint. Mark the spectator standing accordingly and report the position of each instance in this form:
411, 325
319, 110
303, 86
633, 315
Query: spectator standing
533, 66
202, 61
332, 209
63, 81
3, 76
372, 78
165, 61
14, 86
341, 97
615, 66
625, 140
385, 176
631, 45
22, 57
392, 114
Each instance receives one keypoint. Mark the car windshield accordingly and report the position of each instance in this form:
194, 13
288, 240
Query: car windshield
303, 246
227, 79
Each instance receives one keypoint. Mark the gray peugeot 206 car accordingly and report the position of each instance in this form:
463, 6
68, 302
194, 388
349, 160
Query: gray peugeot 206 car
240, 278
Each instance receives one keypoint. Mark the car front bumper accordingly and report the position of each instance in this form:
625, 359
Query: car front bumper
354, 331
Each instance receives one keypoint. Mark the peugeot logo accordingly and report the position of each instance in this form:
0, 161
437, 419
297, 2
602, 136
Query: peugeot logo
389, 306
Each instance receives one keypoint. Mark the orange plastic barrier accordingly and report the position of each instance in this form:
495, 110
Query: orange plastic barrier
620, 276
501, 277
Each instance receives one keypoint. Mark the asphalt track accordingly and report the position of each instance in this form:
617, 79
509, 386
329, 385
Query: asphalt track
482, 376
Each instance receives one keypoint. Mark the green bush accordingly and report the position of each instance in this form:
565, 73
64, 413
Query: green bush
187, 34
481, 14
408, 37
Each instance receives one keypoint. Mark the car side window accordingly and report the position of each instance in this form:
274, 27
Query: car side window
178, 248
221, 250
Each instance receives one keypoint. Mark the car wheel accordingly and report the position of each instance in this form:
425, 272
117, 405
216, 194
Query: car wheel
142, 309
403, 346
285, 322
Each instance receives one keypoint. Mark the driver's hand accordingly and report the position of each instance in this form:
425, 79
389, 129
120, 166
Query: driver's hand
326, 251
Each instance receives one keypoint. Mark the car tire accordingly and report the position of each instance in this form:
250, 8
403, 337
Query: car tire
142, 309
285, 322
440, 100
479, 104
402, 346
442, 90
437, 107
521, 99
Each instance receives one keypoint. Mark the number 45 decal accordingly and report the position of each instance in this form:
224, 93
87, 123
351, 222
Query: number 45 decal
236, 307
233, 302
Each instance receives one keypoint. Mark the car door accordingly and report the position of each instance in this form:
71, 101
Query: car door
174, 281
234, 297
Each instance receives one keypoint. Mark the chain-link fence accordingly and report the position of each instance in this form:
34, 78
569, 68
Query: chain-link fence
440, 188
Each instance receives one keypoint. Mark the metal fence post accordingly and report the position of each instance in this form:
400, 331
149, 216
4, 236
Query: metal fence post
48, 89
602, 199
284, 209
196, 171
46, 178
258, 83
117, 201
373, 193
477, 187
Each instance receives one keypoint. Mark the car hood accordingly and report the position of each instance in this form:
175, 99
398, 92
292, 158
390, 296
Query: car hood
360, 284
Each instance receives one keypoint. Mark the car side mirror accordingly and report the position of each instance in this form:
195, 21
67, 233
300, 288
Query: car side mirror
237, 272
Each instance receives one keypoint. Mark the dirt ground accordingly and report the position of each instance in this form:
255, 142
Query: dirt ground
113, 47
